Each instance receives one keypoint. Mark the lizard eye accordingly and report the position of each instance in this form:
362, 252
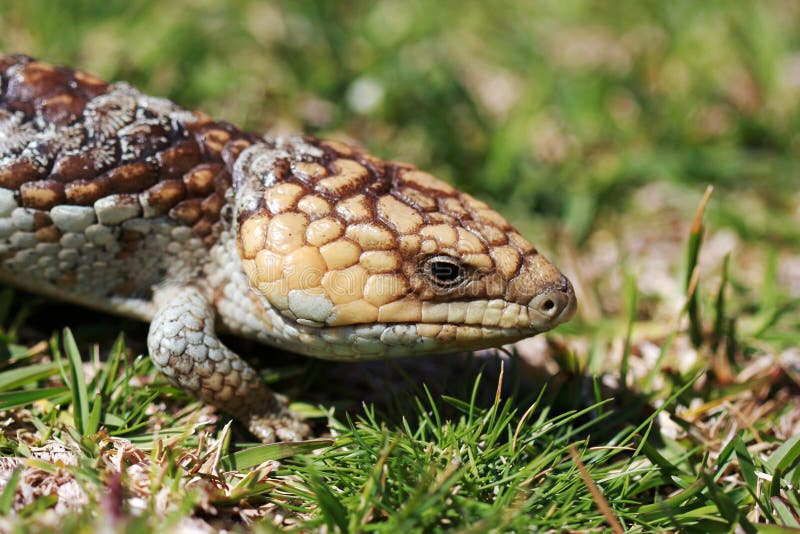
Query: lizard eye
444, 271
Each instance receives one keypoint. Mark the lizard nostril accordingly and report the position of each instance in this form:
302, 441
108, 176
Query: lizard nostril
556, 303
550, 303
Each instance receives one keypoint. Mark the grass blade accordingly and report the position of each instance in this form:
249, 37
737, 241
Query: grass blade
719, 308
7, 497
106, 378
29, 374
77, 383
783, 511
692, 255
726, 506
259, 454
334, 513
93, 423
746, 464
633, 297
16, 399
785, 455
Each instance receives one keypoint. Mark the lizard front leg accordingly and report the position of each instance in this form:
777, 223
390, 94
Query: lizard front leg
185, 348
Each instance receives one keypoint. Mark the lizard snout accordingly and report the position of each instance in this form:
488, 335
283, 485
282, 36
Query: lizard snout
554, 305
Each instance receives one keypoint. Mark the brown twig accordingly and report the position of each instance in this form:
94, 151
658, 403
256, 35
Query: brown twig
599, 499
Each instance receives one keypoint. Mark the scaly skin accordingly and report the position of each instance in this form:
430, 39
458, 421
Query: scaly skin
129, 204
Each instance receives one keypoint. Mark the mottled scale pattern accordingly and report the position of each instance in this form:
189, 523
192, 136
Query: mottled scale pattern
127, 203
102, 187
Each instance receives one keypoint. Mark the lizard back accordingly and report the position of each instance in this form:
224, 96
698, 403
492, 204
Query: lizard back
105, 191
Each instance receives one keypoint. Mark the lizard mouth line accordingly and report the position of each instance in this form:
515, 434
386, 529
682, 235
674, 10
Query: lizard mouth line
388, 325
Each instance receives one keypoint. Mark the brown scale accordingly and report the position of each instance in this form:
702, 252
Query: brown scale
164, 195
129, 242
85, 191
57, 94
44, 229
437, 202
13, 175
48, 234
133, 177
183, 173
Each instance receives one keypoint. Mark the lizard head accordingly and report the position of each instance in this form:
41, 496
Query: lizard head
359, 257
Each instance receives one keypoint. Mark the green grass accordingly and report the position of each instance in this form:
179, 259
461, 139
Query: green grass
594, 126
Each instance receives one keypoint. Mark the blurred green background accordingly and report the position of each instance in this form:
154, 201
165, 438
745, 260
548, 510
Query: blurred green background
554, 110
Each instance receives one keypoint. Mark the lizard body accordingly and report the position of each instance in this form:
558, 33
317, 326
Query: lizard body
127, 203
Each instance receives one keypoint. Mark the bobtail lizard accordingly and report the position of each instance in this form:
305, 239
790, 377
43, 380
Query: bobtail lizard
127, 203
